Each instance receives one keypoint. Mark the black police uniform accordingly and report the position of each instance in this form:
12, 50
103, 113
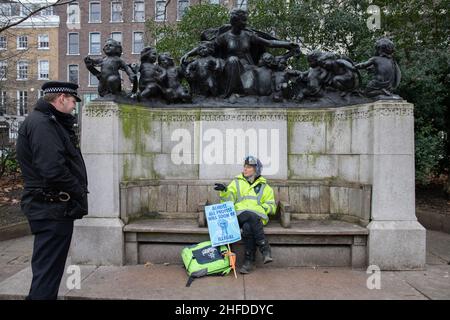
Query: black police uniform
55, 188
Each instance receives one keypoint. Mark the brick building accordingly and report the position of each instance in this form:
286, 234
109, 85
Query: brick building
28, 58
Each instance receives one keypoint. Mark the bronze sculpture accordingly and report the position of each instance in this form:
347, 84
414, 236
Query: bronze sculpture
386, 72
108, 75
232, 62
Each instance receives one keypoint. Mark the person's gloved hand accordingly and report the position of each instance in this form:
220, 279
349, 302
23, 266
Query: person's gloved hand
220, 187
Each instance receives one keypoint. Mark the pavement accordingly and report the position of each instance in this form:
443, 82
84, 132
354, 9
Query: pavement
168, 281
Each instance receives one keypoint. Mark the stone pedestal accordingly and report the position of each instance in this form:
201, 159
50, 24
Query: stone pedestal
98, 238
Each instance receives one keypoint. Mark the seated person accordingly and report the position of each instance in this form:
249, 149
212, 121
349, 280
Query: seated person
253, 201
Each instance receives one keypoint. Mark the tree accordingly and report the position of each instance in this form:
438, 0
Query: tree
9, 19
179, 38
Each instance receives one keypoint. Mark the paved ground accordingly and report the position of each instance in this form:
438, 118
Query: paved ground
168, 282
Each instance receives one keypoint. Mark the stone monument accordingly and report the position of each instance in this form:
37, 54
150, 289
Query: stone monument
335, 153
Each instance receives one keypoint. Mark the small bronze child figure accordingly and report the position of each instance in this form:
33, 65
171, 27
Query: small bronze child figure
263, 74
386, 73
171, 80
342, 75
203, 73
150, 75
108, 76
281, 77
311, 82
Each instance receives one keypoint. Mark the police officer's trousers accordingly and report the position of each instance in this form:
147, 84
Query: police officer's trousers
51, 246
252, 231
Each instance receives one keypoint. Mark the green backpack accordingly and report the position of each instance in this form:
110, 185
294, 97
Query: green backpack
202, 260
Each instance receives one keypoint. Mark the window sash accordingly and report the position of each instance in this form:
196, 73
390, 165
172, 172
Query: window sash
73, 75
242, 4
139, 11
44, 69
93, 81
74, 43
44, 41
116, 11
22, 103
138, 42
73, 13
2, 102
95, 43
3, 70
22, 42
95, 12
116, 36
22, 70
160, 14
182, 6
3, 43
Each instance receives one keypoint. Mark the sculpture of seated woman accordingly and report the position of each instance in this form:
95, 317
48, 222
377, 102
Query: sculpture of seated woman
241, 49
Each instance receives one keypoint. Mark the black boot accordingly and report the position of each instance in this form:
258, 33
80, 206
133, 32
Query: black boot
265, 250
249, 263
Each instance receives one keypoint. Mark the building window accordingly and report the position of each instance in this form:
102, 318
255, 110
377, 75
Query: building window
93, 81
73, 13
94, 43
182, 6
47, 11
116, 11
22, 70
241, 4
139, 11
72, 73
117, 36
40, 94
138, 42
160, 10
73, 43
43, 41
5, 9
88, 97
3, 70
2, 103
22, 42
43, 69
3, 43
95, 13
22, 103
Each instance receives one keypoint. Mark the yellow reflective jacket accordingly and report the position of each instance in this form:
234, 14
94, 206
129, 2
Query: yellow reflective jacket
245, 198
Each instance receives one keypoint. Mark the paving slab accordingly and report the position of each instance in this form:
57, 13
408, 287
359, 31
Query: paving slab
18, 285
156, 282
324, 283
438, 243
433, 283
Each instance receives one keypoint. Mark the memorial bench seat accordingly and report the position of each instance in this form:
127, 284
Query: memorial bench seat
305, 243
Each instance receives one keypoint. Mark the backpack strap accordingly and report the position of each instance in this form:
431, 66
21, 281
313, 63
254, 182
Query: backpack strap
196, 274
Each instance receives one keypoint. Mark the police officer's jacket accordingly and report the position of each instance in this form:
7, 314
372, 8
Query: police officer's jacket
51, 161
257, 197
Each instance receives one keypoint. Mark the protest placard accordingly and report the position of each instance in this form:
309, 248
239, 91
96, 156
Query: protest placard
223, 225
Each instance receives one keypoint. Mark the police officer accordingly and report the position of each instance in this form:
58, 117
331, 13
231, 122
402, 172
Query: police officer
253, 201
55, 189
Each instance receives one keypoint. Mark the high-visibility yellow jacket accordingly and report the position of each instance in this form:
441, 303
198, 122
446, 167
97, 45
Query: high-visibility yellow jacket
243, 194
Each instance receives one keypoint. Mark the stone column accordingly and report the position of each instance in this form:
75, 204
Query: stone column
396, 238
98, 237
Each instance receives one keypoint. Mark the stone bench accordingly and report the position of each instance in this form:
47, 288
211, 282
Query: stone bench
296, 200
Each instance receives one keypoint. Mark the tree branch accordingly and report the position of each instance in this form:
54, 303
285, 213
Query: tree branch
57, 3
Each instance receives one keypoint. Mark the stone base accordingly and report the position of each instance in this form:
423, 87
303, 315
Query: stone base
396, 245
98, 241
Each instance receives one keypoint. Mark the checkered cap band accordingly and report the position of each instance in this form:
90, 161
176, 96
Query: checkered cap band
60, 90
